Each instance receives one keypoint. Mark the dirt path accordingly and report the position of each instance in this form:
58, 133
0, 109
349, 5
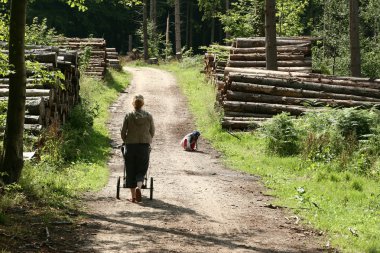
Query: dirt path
198, 205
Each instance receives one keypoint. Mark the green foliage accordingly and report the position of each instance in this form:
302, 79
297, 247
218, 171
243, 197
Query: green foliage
42, 75
4, 25
209, 8
342, 139
292, 17
3, 111
80, 4
84, 59
281, 135
38, 33
189, 60
156, 42
222, 53
371, 57
354, 122
244, 19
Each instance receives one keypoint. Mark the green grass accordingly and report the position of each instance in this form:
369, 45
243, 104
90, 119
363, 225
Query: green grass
57, 182
345, 206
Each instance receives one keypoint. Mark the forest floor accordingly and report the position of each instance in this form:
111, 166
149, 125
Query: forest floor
199, 205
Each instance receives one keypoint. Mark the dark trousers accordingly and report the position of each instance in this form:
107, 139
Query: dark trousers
136, 163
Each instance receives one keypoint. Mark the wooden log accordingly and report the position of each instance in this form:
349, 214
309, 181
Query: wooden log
29, 92
43, 57
33, 128
290, 92
245, 119
296, 69
237, 106
260, 42
33, 105
317, 78
298, 75
270, 99
33, 119
294, 49
296, 84
262, 57
246, 114
234, 124
247, 64
69, 56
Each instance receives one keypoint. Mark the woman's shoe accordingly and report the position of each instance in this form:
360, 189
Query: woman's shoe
138, 195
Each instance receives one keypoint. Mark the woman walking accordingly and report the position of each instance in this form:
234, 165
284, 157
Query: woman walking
137, 133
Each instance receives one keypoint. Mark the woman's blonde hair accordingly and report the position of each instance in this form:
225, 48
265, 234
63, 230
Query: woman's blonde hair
138, 102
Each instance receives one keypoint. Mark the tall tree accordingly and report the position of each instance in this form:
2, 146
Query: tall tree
228, 35
153, 11
13, 162
354, 39
145, 29
177, 25
270, 34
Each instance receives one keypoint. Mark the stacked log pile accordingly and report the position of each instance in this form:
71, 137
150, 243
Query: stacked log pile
97, 62
251, 96
112, 58
48, 103
293, 54
215, 61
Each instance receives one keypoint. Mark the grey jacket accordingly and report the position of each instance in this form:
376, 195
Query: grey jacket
138, 127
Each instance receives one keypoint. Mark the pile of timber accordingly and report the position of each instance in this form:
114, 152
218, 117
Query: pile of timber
97, 64
293, 53
209, 64
48, 103
250, 96
215, 61
112, 58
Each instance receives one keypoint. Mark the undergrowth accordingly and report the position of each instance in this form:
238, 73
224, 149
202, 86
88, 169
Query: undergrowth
308, 176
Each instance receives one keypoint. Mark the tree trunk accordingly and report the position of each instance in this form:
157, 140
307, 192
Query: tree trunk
228, 35
13, 162
167, 39
130, 43
187, 22
270, 34
191, 27
153, 12
177, 24
354, 38
151, 9
145, 29
212, 37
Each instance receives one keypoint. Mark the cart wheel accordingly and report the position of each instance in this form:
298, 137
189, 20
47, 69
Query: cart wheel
118, 188
151, 188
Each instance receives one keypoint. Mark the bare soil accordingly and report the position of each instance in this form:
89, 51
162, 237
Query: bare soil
198, 204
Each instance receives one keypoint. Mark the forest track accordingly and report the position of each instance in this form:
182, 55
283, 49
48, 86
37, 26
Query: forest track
199, 205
